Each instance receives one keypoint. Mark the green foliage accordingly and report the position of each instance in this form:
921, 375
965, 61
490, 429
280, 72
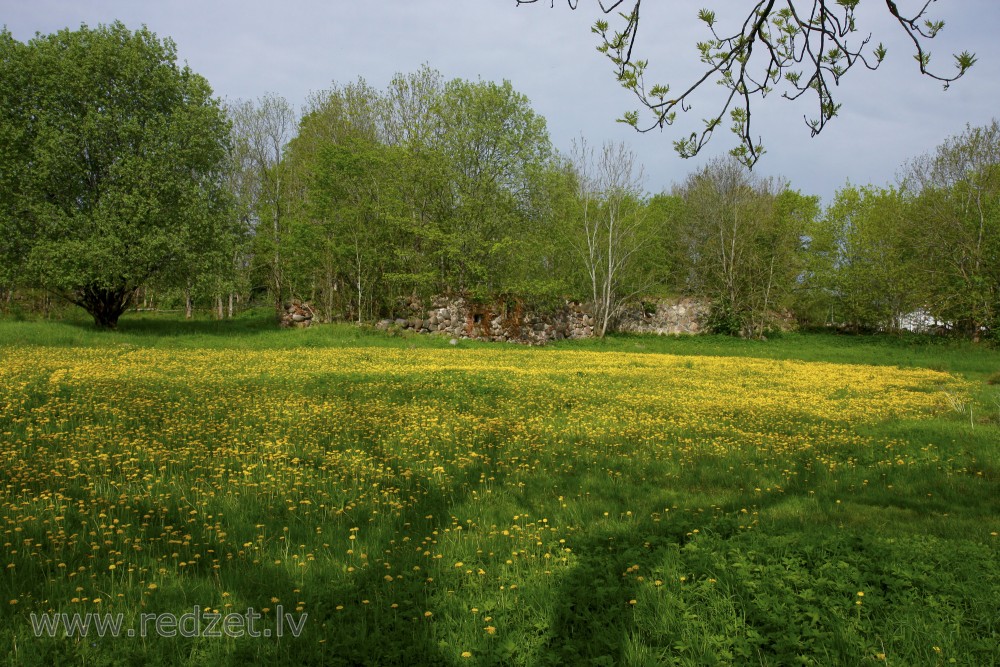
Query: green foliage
723, 319
113, 164
954, 203
741, 242
931, 247
424, 188
862, 262
494, 146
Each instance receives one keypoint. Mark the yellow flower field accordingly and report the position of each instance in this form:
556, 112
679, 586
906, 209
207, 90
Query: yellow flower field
117, 438
401, 481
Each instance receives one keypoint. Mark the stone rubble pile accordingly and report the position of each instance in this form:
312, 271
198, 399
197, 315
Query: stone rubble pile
297, 314
510, 322
666, 317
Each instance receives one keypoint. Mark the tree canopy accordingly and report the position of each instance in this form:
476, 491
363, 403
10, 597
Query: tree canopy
954, 193
741, 236
425, 187
803, 47
120, 171
112, 162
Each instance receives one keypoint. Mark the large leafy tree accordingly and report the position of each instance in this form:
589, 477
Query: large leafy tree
955, 211
740, 236
14, 165
367, 195
862, 265
426, 187
801, 47
113, 159
495, 145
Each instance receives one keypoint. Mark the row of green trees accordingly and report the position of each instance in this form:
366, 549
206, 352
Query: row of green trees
123, 175
425, 187
931, 245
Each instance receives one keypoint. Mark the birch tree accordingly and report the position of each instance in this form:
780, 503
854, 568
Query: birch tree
611, 227
263, 129
740, 235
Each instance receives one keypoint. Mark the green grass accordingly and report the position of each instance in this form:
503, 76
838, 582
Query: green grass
950, 355
615, 521
255, 330
252, 330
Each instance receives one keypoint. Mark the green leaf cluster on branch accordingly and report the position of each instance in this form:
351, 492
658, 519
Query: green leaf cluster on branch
801, 46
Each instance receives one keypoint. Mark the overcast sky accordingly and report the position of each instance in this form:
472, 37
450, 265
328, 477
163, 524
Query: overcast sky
247, 48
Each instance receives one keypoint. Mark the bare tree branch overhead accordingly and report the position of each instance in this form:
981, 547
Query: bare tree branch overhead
801, 47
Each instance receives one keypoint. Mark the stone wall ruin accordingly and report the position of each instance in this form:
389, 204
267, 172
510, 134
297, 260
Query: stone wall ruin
508, 320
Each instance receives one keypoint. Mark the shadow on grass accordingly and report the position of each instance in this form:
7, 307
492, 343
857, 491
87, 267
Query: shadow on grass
782, 593
907, 350
140, 324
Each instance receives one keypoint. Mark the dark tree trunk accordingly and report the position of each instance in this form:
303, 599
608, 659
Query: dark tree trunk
105, 305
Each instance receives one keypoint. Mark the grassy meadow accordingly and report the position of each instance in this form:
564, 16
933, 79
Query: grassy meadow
812, 499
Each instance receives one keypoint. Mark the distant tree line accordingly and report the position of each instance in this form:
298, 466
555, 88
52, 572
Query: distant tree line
125, 182
929, 245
